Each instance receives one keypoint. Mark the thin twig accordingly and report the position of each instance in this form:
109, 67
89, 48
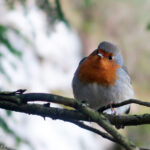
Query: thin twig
130, 101
103, 134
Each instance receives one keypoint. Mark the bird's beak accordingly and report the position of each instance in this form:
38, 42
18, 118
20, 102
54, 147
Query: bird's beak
100, 55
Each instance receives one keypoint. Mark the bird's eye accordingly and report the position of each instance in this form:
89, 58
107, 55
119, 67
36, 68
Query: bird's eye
110, 57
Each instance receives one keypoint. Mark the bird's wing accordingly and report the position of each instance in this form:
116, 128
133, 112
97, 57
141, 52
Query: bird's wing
82, 60
124, 67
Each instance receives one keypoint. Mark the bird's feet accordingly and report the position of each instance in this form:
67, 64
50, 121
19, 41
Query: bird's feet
114, 112
84, 103
110, 109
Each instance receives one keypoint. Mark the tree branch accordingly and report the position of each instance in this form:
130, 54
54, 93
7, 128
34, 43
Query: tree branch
18, 101
57, 113
105, 124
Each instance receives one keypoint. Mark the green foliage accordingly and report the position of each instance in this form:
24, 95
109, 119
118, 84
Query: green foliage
10, 3
60, 13
4, 40
11, 132
54, 13
2, 71
8, 130
52, 10
9, 113
88, 2
4, 147
148, 26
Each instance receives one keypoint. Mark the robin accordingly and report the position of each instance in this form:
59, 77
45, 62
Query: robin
102, 79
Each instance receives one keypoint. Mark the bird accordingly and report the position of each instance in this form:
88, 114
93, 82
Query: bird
102, 79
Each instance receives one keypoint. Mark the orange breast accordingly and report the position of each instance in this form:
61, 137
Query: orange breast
98, 70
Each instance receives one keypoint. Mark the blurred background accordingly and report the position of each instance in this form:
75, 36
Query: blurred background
41, 43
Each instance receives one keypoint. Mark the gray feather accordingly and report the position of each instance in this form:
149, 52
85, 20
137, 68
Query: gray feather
109, 47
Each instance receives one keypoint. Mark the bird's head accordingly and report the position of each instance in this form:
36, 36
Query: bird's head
101, 65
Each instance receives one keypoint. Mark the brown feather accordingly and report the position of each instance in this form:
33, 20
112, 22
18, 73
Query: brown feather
98, 70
